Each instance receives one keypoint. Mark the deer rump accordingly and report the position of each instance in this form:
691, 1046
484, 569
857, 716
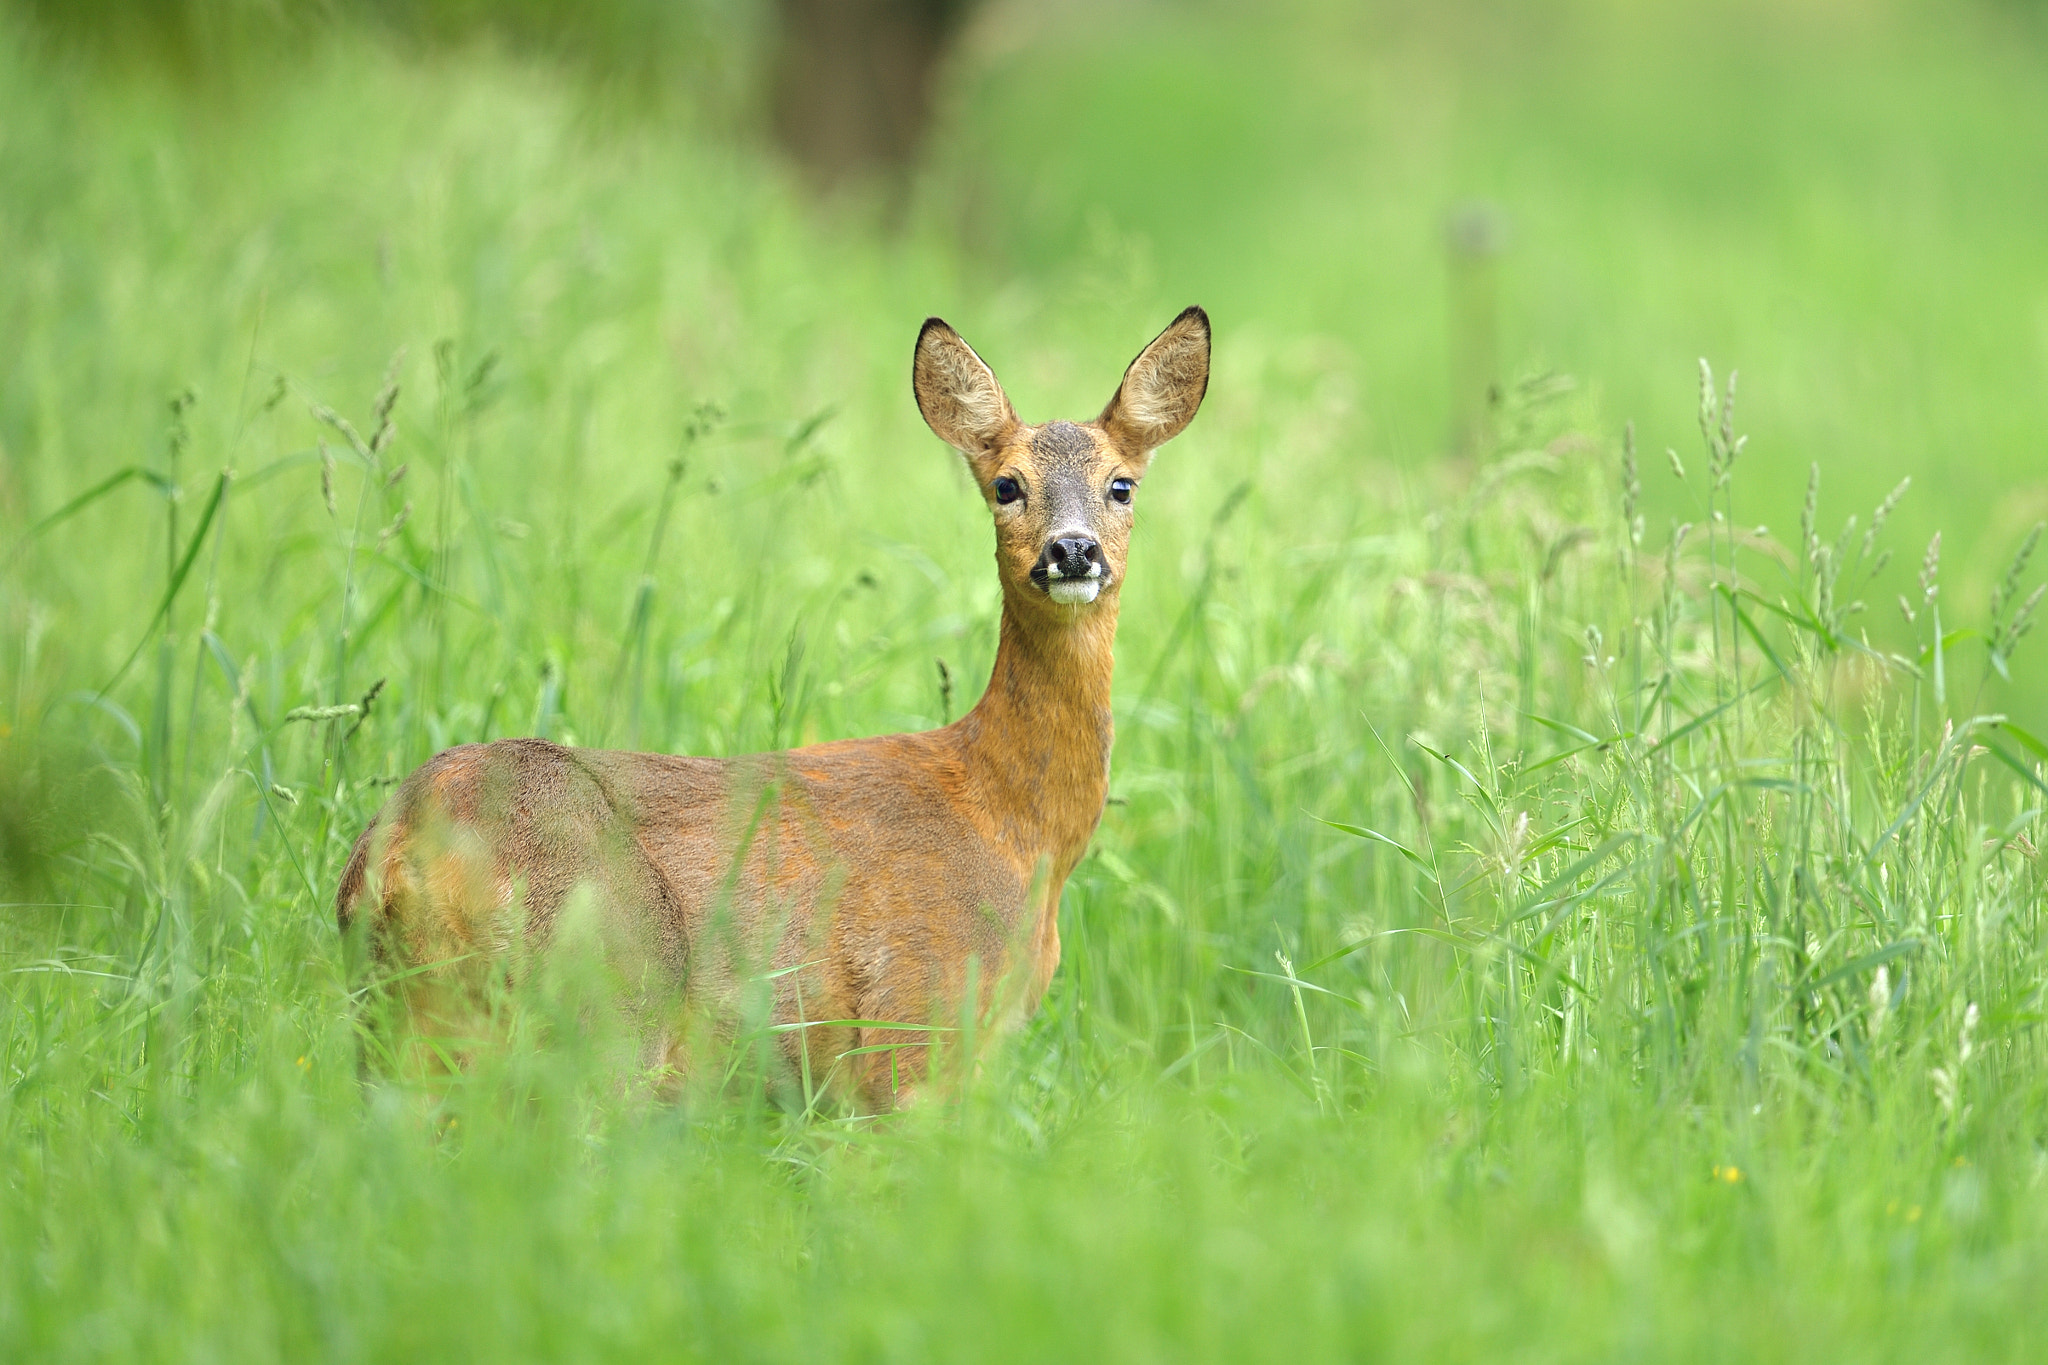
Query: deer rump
851, 876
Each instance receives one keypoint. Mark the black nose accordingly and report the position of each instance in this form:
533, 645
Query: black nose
1073, 556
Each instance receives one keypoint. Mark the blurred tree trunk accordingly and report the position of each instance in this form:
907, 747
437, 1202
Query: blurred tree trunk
853, 85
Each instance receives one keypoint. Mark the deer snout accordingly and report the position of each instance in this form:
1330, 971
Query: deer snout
1070, 569
1070, 557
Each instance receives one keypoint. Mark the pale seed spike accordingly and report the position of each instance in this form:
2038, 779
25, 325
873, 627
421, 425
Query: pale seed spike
387, 396
2023, 619
2008, 585
397, 524
1878, 518
1728, 441
1891, 502
1707, 401
1631, 486
1842, 542
1809, 515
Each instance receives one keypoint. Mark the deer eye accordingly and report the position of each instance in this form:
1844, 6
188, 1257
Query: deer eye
1120, 489
1008, 490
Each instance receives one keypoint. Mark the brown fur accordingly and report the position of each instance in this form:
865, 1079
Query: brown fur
878, 868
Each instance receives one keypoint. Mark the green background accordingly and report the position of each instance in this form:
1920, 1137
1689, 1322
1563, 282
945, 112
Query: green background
1761, 1079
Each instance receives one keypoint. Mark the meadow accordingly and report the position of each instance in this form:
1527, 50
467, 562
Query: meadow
1571, 889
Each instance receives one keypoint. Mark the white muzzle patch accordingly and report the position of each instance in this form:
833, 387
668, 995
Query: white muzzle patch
1072, 591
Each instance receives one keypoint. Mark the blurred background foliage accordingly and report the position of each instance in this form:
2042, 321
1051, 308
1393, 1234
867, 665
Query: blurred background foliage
1843, 200
635, 286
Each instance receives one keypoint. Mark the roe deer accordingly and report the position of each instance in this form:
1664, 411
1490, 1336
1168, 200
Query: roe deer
870, 881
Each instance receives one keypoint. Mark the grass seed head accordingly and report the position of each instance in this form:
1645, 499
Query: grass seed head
1729, 443
1809, 515
1631, 487
2007, 586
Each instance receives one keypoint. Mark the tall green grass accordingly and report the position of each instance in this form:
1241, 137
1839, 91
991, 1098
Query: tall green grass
1528, 924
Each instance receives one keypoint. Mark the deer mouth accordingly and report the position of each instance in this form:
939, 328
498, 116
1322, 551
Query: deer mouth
1070, 581
1072, 591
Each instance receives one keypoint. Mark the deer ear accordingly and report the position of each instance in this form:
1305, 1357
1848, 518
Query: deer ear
1163, 387
958, 393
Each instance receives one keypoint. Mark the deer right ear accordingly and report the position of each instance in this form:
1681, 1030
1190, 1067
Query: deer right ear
958, 393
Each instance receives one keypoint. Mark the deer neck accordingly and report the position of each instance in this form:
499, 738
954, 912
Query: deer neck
1037, 744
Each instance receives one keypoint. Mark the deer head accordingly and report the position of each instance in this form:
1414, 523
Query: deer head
1062, 492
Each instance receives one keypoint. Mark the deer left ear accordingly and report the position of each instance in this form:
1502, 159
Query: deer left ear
1163, 387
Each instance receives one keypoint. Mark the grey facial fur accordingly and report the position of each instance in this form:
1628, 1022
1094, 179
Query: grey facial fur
1067, 453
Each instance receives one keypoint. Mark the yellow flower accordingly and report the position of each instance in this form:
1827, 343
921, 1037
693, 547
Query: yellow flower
1731, 1174
305, 1065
